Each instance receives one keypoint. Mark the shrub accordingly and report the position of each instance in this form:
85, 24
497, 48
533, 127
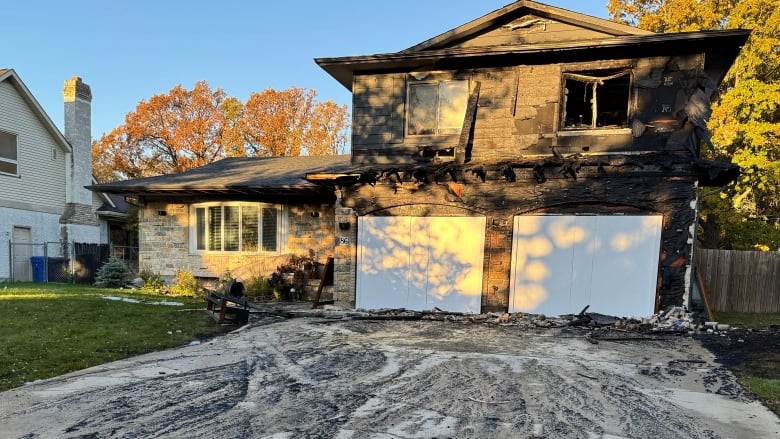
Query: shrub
152, 282
227, 276
113, 274
257, 287
186, 285
293, 272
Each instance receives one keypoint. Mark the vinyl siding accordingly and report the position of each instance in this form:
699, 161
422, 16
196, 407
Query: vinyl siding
41, 181
97, 201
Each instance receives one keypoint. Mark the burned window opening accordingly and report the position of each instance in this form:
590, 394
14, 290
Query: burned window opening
596, 99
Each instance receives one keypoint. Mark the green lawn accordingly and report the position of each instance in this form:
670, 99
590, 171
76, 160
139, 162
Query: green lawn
50, 329
760, 370
748, 319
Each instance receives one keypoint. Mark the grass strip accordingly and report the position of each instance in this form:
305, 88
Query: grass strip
51, 329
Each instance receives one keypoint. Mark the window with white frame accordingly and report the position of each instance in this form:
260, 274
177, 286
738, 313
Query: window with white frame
236, 227
435, 107
596, 99
9, 154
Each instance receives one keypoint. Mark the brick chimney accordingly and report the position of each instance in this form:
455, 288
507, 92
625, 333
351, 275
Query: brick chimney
78, 132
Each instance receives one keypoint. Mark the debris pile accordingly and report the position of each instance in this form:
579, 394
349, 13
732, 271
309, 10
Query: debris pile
672, 320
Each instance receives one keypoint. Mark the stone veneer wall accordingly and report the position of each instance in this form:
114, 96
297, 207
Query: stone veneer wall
345, 257
164, 242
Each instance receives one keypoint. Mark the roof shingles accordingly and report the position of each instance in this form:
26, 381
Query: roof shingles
252, 174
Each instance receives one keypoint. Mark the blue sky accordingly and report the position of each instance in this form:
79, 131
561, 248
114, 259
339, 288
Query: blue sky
128, 51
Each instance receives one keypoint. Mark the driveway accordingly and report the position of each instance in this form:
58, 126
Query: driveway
318, 377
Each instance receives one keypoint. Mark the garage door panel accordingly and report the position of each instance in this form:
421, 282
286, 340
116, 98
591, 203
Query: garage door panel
444, 259
625, 269
560, 264
456, 249
383, 256
542, 251
417, 296
584, 257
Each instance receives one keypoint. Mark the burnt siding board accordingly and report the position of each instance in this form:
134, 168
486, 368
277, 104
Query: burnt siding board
635, 192
524, 28
378, 109
664, 86
545, 31
593, 142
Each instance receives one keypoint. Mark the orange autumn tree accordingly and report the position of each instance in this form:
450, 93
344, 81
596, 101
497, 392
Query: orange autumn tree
168, 133
184, 129
291, 123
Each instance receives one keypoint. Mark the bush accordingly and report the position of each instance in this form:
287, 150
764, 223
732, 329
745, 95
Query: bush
186, 285
227, 276
294, 271
257, 287
153, 283
113, 274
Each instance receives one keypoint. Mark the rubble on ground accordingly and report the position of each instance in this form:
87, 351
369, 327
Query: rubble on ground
671, 320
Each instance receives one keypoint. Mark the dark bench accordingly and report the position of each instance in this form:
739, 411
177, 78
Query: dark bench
227, 309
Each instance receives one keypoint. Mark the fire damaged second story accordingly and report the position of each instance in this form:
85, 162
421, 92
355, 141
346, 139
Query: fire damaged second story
530, 84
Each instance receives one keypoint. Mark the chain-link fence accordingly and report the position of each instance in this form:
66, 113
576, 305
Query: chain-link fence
64, 263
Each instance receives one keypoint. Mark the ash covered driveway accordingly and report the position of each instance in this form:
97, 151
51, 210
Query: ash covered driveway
396, 379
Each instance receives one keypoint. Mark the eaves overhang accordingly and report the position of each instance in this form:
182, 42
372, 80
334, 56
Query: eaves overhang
187, 191
726, 43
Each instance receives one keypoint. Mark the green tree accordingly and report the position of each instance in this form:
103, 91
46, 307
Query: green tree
745, 121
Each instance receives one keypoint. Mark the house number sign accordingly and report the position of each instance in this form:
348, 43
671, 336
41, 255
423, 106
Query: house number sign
343, 240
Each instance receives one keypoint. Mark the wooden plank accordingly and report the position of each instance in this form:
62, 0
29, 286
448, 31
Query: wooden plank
323, 280
468, 123
703, 289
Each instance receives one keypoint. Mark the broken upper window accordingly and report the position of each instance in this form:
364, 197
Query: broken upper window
596, 99
436, 107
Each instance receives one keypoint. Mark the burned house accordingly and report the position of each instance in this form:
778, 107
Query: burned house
531, 160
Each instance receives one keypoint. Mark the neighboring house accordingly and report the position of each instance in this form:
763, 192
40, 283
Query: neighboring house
44, 203
534, 159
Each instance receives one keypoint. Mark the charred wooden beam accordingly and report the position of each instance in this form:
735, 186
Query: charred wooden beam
571, 166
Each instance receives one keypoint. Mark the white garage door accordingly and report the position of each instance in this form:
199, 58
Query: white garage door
419, 263
560, 264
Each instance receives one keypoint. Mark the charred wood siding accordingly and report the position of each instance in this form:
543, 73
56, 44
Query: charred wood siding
532, 29
520, 108
378, 110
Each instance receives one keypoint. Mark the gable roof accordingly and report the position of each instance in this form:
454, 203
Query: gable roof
13, 78
247, 176
518, 9
113, 206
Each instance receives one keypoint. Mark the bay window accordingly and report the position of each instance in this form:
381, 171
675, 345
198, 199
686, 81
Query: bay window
235, 227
